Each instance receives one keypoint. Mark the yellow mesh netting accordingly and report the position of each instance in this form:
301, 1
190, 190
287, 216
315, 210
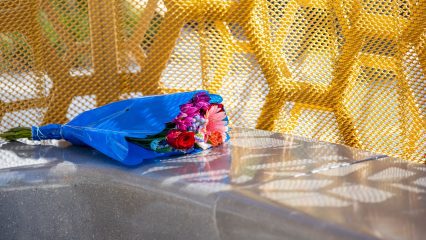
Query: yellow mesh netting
350, 72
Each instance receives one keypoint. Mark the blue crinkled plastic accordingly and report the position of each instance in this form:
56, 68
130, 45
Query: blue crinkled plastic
106, 128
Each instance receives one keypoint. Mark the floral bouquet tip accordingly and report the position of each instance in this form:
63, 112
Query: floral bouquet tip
133, 130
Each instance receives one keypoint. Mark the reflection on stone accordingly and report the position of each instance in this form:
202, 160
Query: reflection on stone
241, 179
10, 159
421, 182
251, 156
391, 174
283, 173
362, 193
408, 188
343, 171
294, 184
275, 165
306, 199
157, 169
207, 188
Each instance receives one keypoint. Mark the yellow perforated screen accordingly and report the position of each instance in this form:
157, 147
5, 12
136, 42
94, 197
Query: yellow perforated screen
345, 71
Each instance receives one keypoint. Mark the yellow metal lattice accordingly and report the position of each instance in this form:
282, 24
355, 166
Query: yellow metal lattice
346, 71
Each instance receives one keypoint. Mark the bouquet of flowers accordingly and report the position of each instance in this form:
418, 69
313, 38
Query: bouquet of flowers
149, 127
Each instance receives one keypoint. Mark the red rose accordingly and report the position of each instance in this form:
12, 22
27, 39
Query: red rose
180, 139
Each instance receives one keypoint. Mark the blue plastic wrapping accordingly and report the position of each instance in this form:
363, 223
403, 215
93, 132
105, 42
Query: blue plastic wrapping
106, 128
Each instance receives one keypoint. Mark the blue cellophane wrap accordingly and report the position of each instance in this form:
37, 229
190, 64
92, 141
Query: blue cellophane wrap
106, 128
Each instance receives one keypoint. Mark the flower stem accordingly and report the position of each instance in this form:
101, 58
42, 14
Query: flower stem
16, 133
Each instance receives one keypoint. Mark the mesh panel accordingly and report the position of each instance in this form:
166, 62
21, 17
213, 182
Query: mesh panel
350, 72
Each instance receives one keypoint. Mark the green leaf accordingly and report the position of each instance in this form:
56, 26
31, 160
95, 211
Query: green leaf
146, 142
14, 134
164, 150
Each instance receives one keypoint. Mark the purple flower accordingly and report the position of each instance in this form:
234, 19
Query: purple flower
189, 109
188, 118
201, 101
183, 123
202, 105
201, 97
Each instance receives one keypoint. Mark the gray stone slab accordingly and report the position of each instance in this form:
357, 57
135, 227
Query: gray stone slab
261, 185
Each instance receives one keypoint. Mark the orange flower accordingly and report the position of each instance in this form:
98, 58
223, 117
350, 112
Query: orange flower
216, 138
